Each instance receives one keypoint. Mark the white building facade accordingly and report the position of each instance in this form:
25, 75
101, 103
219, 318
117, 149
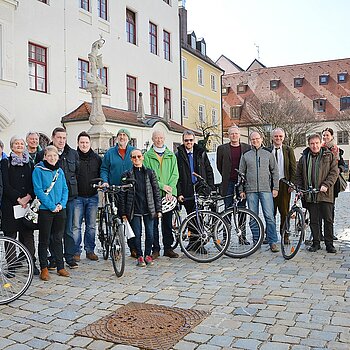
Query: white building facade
44, 48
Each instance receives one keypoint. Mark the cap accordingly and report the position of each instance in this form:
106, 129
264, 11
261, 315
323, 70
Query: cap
125, 131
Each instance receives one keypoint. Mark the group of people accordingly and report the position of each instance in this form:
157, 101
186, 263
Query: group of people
60, 177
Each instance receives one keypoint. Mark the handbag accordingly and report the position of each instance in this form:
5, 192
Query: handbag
31, 216
129, 233
343, 184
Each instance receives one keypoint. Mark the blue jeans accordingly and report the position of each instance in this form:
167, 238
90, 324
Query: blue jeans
68, 238
136, 225
266, 201
229, 200
85, 208
168, 238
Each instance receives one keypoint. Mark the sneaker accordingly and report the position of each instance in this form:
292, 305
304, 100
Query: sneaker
133, 253
170, 253
149, 260
314, 248
76, 257
44, 274
72, 265
155, 255
36, 271
274, 248
63, 273
52, 265
92, 256
141, 262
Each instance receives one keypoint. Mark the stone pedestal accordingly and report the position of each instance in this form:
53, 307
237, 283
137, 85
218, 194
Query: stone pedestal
100, 138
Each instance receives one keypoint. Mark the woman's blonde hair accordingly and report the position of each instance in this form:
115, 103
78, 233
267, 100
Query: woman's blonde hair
51, 148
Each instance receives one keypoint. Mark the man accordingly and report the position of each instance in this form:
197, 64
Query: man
86, 203
3, 155
115, 162
227, 160
317, 168
69, 162
160, 159
33, 146
259, 166
286, 164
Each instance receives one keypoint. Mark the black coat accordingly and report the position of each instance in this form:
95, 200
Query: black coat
17, 182
201, 165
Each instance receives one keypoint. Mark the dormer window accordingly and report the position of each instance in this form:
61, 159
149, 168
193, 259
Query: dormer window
298, 82
201, 46
324, 79
241, 88
274, 84
342, 77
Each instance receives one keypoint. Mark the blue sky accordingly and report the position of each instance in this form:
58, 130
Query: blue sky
286, 31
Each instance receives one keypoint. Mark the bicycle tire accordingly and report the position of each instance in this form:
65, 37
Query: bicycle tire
175, 225
103, 233
294, 228
16, 269
242, 222
118, 250
204, 238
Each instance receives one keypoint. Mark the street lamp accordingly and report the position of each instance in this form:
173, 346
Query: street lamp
267, 132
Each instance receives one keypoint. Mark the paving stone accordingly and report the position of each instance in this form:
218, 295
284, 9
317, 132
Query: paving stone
197, 337
274, 346
36, 343
184, 345
220, 340
250, 344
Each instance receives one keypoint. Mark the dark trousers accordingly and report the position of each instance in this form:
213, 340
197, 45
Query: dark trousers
323, 211
281, 202
25, 236
51, 230
167, 233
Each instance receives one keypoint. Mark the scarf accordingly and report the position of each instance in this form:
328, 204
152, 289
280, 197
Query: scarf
333, 148
159, 150
49, 166
19, 161
84, 156
313, 172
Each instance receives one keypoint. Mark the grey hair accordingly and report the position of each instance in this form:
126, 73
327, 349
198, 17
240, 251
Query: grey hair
32, 133
278, 129
15, 138
313, 136
232, 127
188, 132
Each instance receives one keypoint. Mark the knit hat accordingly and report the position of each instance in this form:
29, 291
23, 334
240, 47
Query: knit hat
125, 131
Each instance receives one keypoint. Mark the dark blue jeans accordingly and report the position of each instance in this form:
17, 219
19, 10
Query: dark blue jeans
167, 233
136, 224
229, 200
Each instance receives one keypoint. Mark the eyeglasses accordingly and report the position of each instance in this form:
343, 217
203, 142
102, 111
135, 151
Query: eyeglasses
188, 140
138, 156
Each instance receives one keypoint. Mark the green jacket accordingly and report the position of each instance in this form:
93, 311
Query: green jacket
168, 173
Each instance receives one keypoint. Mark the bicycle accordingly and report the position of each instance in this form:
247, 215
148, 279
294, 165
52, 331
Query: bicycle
111, 230
16, 269
297, 221
203, 235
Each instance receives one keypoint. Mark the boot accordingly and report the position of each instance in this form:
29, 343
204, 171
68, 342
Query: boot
44, 274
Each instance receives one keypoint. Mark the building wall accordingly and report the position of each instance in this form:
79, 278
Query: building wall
68, 33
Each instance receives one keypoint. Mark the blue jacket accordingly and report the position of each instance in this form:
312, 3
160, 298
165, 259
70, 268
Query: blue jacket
42, 179
113, 165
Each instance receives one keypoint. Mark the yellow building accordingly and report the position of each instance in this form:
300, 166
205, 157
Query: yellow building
201, 87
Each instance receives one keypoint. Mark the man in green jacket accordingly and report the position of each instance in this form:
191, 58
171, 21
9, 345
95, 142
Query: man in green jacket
160, 159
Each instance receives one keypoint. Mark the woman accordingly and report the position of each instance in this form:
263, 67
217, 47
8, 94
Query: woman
51, 189
329, 142
17, 190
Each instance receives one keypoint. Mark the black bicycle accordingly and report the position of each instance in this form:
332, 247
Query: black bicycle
111, 230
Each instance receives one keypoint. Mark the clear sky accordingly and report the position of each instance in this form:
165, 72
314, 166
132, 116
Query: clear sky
286, 31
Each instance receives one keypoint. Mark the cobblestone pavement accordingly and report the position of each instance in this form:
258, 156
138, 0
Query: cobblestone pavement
260, 302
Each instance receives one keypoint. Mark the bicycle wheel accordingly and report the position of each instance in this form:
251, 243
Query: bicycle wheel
118, 250
294, 229
16, 269
204, 236
103, 232
246, 230
175, 225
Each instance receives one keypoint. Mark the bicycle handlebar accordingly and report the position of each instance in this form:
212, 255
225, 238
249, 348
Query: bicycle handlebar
110, 188
298, 189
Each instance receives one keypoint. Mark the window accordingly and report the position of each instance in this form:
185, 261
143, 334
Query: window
83, 70
213, 82
343, 137
323, 79
298, 82
184, 107
241, 88
235, 112
85, 5
184, 67
153, 96
274, 84
37, 59
201, 113
342, 77
130, 27
167, 100
103, 75
214, 116
300, 140
320, 105
166, 42
131, 92
200, 78
344, 103
102, 9
153, 38
225, 90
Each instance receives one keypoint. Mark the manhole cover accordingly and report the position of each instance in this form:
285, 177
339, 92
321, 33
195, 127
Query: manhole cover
146, 326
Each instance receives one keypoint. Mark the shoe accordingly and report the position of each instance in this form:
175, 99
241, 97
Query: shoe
133, 253
265, 241
44, 274
76, 257
274, 248
63, 273
149, 260
92, 256
314, 248
170, 253
72, 265
155, 255
331, 249
52, 265
140, 262
36, 271
335, 238
286, 238
244, 241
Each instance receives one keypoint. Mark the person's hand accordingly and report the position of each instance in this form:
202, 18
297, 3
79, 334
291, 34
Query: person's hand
242, 195
181, 198
124, 218
169, 197
323, 188
290, 189
24, 200
159, 215
168, 189
58, 208
274, 193
105, 184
